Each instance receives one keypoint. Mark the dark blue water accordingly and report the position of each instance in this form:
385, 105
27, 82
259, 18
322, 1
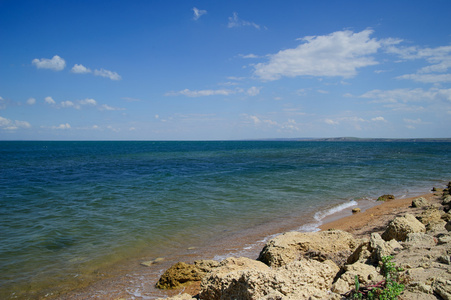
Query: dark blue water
70, 208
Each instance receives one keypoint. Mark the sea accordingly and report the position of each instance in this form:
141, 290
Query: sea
76, 213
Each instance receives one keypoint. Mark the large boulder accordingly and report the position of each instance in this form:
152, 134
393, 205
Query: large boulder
304, 279
381, 248
333, 245
430, 215
400, 227
179, 274
420, 202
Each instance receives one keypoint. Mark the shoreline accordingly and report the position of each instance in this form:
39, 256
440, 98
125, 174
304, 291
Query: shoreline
143, 279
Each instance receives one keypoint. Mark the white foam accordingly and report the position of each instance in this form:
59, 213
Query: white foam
319, 216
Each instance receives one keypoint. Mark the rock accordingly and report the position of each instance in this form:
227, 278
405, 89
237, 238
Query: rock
442, 288
421, 239
386, 198
444, 238
183, 296
151, 262
356, 210
446, 217
381, 248
304, 279
448, 226
446, 200
205, 265
401, 226
435, 226
335, 245
179, 274
365, 273
420, 202
429, 215
361, 254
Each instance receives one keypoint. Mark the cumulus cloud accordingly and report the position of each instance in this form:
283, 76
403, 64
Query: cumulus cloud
8, 124
79, 104
234, 21
340, 53
49, 100
379, 119
198, 13
88, 101
80, 69
108, 74
31, 101
56, 63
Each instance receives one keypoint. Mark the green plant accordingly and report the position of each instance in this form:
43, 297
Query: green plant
388, 289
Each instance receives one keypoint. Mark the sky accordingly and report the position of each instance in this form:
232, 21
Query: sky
224, 70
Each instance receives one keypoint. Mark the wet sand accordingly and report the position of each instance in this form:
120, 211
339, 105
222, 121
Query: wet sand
138, 282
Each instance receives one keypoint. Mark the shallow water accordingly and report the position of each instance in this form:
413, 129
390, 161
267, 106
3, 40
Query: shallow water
70, 209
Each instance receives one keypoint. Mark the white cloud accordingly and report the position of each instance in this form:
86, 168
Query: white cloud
108, 74
331, 122
338, 54
69, 104
56, 63
427, 78
198, 13
88, 101
234, 21
107, 107
8, 124
408, 95
200, 93
49, 100
62, 126
379, 119
31, 101
253, 91
80, 69
2, 103
248, 56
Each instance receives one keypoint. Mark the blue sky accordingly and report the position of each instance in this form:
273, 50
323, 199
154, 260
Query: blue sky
217, 70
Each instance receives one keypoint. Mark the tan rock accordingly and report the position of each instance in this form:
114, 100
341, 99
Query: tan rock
386, 198
401, 226
381, 248
356, 210
304, 279
429, 215
179, 274
334, 245
361, 254
420, 202
365, 273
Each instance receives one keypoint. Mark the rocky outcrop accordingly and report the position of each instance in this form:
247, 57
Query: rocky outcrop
381, 248
400, 227
386, 198
302, 279
333, 245
420, 202
182, 273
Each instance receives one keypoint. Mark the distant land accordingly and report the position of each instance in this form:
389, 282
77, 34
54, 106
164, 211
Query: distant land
355, 139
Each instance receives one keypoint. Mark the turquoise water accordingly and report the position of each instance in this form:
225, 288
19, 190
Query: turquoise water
70, 208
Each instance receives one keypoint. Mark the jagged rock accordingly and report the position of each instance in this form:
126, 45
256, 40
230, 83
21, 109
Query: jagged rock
448, 226
446, 217
401, 226
206, 265
420, 239
444, 238
365, 273
386, 198
179, 274
356, 210
304, 279
429, 215
381, 248
436, 226
335, 245
442, 288
361, 254
420, 202
446, 200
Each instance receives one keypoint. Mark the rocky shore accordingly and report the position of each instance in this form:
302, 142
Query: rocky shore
400, 249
